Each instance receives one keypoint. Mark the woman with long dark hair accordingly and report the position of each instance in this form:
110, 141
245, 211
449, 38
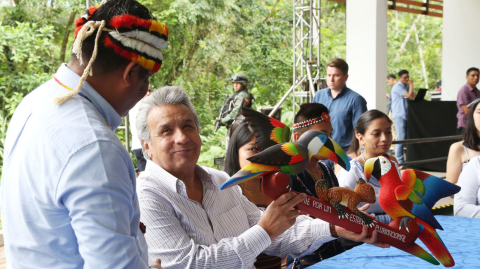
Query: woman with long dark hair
240, 147
461, 152
466, 203
373, 137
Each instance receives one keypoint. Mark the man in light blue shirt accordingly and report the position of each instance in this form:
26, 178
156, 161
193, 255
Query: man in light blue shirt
400, 91
345, 105
68, 191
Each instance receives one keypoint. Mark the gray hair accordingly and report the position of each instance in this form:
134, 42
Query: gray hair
164, 96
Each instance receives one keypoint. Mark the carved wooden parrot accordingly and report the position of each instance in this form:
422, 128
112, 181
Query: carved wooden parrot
412, 197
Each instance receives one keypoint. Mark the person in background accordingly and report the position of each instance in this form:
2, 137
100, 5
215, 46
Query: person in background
136, 144
373, 136
466, 201
345, 105
461, 152
317, 169
241, 98
391, 80
191, 223
242, 146
467, 94
68, 184
402, 90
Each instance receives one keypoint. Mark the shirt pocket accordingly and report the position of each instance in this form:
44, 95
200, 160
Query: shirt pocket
231, 223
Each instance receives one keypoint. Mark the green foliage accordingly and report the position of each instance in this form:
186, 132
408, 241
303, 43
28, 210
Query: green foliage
209, 41
429, 31
24, 64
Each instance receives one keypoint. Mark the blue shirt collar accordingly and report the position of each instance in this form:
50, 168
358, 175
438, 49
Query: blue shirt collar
400, 83
71, 79
342, 92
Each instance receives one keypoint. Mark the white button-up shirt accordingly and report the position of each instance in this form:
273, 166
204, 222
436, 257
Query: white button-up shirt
68, 185
221, 232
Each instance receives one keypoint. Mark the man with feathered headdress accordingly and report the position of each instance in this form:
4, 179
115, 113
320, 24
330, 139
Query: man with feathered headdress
68, 185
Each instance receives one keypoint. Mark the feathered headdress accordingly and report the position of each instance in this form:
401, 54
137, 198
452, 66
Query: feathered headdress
323, 117
131, 37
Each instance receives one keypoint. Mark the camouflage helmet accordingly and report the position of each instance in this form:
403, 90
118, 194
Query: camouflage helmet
240, 78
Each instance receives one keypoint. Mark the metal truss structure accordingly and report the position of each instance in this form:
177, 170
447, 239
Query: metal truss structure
306, 53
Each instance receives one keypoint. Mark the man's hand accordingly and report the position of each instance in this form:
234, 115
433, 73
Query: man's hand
156, 264
410, 82
280, 214
362, 237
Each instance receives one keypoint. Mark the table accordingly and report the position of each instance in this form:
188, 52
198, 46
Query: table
460, 235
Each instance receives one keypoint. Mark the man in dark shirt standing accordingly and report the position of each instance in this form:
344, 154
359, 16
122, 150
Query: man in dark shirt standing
466, 95
345, 105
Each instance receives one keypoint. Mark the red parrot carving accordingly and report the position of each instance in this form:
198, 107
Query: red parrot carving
411, 198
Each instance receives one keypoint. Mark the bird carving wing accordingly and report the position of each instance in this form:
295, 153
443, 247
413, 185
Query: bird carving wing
268, 131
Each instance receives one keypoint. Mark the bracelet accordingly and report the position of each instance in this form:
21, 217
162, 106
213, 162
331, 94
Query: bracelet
332, 231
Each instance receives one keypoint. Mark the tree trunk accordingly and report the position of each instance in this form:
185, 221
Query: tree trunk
420, 53
407, 38
68, 29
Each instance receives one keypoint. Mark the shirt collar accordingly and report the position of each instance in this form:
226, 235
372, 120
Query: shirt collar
470, 88
401, 83
342, 92
71, 79
172, 182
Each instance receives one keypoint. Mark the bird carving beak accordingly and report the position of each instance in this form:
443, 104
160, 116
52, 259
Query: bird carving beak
332, 151
245, 174
372, 167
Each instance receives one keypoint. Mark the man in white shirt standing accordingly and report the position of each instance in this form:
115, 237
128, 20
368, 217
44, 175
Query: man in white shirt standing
191, 223
68, 190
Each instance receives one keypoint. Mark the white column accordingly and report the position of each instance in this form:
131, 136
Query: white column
367, 50
461, 44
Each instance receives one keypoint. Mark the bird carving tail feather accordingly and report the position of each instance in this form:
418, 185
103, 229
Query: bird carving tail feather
434, 243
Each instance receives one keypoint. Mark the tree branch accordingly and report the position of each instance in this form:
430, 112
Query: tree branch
68, 29
271, 11
407, 38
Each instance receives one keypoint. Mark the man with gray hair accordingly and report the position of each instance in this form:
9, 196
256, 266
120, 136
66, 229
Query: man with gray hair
190, 222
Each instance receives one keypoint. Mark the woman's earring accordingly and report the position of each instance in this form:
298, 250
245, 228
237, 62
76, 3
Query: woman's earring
362, 149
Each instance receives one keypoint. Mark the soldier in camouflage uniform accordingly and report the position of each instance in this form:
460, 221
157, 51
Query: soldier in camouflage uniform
241, 98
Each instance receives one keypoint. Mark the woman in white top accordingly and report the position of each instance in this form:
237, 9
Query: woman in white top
461, 152
373, 135
466, 201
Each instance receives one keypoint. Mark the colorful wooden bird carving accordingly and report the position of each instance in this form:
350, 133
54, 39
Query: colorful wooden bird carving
268, 131
288, 157
337, 196
412, 197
